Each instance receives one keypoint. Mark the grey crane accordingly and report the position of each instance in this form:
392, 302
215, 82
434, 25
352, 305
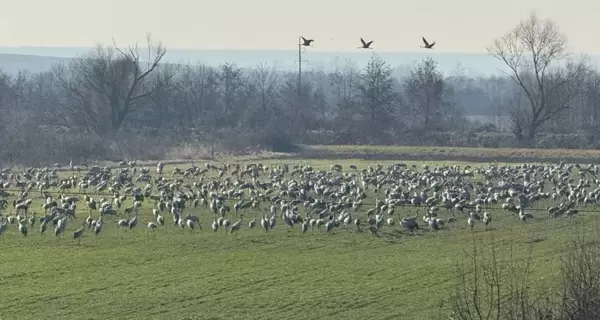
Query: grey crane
365, 45
306, 42
237, 225
427, 44
78, 233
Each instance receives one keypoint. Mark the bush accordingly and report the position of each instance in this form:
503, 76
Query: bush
490, 289
580, 275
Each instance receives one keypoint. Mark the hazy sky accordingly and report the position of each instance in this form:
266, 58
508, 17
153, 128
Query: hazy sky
336, 25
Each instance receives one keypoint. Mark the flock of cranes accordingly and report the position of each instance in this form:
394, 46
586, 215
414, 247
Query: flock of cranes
370, 199
367, 45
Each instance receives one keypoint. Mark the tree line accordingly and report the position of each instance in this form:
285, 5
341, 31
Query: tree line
117, 103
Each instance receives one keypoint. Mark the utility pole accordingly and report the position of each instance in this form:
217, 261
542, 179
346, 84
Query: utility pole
300, 42
299, 66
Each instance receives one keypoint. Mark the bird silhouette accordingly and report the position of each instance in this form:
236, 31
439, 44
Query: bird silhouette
365, 45
427, 44
307, 42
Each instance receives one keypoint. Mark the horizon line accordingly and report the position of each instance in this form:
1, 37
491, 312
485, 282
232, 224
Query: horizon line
251, 50
315, 50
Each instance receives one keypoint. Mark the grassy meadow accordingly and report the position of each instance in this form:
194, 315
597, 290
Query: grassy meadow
175, 273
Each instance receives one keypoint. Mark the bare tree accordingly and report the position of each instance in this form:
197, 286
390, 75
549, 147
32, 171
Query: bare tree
591, 107
231, 79
293, 103
105, 87
262, 92
429, 96
319, 100
43, 95
344, 82
161, 109
501, 94
197, 96
533, 51
266, 81
377, 95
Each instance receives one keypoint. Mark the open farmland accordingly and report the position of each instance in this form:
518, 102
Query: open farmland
384, 268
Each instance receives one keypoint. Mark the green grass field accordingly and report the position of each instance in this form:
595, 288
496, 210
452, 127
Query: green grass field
174, 273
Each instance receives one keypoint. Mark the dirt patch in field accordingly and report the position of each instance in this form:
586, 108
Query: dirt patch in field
382, 153
452, 154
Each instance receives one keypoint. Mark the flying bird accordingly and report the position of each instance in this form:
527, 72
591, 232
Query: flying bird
307, 42
427, 44
365, 45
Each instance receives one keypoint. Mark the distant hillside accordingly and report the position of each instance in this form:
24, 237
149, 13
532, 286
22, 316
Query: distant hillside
13, 63
40, 59
470, 64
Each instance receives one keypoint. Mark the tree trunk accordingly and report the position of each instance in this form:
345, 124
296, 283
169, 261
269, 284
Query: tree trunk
531, 131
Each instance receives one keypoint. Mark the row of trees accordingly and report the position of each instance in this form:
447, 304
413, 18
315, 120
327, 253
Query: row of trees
115, 103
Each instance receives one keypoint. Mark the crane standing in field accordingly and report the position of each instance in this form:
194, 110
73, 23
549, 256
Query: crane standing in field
77, 234
332, 198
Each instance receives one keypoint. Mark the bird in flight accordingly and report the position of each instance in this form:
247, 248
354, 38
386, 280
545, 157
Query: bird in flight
365, 45
427, 44
307, 42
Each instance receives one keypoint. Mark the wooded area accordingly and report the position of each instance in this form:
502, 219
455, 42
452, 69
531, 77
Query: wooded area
119, 103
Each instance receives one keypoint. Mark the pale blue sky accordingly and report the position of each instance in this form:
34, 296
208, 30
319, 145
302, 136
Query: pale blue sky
336, 25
